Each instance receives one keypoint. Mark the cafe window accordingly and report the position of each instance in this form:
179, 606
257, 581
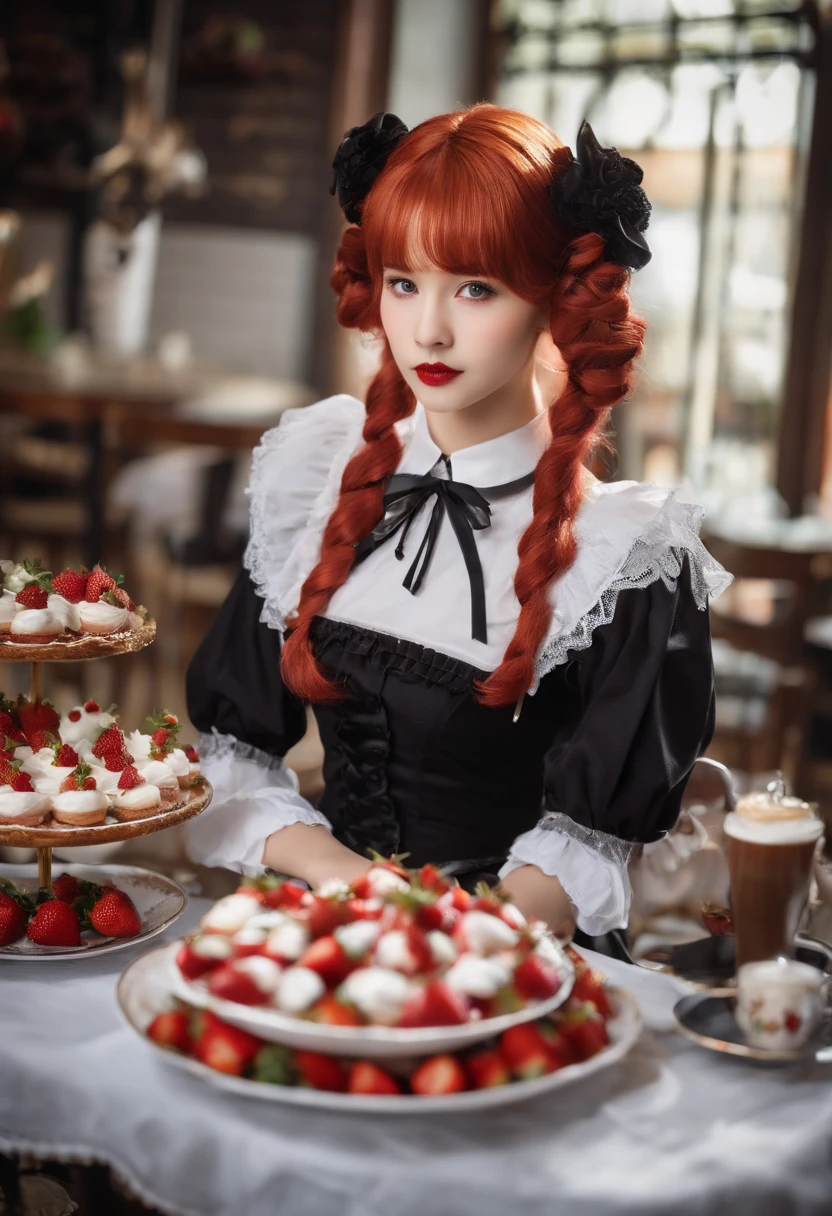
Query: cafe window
714, 99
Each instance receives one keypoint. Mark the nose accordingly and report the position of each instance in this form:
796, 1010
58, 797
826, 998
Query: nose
432, 327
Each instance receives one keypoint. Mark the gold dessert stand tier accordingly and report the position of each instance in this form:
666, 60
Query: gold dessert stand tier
45, 838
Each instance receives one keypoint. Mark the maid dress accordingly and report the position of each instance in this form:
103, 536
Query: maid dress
589, 764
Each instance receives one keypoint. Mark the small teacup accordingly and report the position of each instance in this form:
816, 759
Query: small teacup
779, 1003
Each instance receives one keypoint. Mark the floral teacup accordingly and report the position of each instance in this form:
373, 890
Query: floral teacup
779, 1003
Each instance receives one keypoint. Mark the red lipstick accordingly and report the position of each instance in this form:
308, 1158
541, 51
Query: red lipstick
436, 374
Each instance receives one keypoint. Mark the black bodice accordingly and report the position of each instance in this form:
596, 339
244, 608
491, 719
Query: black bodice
414, 763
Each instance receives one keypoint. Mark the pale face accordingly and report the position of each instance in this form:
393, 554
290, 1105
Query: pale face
473, 326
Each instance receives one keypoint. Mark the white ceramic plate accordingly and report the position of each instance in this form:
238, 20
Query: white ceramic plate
369, 1042
159, 901
144, 990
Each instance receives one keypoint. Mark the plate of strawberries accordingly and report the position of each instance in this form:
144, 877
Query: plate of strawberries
592, 1030
400, 961
89, 910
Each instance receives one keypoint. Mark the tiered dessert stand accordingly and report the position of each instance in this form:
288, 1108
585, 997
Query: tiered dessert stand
44, 838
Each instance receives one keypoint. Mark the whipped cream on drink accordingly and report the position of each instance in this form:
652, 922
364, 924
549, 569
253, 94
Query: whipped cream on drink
769, 817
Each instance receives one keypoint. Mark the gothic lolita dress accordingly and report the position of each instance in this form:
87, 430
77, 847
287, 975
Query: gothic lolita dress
594, 758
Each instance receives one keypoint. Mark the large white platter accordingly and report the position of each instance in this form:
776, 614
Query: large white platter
159, 902
144, 991
369, 1042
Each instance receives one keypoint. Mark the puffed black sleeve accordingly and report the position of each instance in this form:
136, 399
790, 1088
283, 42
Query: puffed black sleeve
248, 719
616, 777
233, 682
647, 690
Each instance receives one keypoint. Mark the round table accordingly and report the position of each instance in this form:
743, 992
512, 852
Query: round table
670, 1130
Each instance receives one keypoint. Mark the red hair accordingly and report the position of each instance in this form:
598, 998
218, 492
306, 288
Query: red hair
470, 192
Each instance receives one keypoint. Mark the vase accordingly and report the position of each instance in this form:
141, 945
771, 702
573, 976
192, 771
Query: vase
119, 273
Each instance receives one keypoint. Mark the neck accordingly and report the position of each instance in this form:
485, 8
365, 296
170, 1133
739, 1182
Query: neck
506, 409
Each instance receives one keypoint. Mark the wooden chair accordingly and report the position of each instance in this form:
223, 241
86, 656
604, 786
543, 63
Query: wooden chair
791, 586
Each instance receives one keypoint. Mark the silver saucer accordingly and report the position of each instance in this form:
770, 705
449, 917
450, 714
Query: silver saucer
709, 1022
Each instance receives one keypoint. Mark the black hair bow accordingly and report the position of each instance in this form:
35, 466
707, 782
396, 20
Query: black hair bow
361, 156
601, 192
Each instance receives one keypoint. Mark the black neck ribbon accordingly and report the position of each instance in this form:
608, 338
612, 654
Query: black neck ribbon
468, 509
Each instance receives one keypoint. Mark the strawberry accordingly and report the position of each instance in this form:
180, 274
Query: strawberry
119, 598
74, 715
202, 954
10, 732
191, 753
12, 920
363, 909
115, 915
224, 1047
328, 959
435, 1005
231, 985
80, 778
32, 596
92, 707
718, 921
65, 888
536, 979
582, 1028
332, 1012
171, 1029
287, 895
40, 716
71, 585
98, 582
589, 984
65, 756
55, 924
322, 915
439, 1075
39, 739
160, 736
110, 747
21, 783
130, 778
430, 879
321, 1072
166, 727
525, 1051
366, 1077
486, 1069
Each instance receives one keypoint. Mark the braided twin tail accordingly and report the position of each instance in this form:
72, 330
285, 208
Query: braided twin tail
598, 337
361, 502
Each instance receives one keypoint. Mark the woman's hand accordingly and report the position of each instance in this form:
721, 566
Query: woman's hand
312, 854
538, 894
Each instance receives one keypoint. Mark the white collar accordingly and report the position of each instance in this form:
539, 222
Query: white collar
491, 463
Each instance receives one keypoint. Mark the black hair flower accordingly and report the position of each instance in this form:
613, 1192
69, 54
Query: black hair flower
601, 192
361, 156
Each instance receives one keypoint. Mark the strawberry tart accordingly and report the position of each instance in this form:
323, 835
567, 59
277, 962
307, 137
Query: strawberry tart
37, 608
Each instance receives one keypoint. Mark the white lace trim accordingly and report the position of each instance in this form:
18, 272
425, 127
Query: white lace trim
657, 553
295, 481
611, 848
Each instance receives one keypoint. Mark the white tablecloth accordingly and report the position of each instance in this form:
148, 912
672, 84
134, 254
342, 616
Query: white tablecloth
670, 1130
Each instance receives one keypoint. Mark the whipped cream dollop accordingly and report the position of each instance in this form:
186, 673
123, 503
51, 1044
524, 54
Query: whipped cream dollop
139, 745
178, 762
264, 972
8, 608
299, 988
36, 620
14, 803
472, 975
379, 994
230, 913
144, 795
101, 617
86, 728
68, 614
157, 772
357, 938
485, 934
768, 817
288, 941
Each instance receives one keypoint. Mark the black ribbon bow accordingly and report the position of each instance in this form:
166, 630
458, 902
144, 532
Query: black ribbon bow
468, 509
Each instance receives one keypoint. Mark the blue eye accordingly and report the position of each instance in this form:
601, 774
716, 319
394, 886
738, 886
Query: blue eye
402, 287
478, 291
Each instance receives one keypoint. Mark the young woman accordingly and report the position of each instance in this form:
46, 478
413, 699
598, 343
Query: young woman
509, 661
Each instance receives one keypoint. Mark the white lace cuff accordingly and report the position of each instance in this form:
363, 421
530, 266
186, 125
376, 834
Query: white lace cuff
591, 867
254, 795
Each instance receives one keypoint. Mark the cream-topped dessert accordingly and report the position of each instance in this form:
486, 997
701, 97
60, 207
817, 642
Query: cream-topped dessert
81, 725
159, 773
35, 625
102, 618
766, 818
66, 613
81, 808
25, 807
137, 802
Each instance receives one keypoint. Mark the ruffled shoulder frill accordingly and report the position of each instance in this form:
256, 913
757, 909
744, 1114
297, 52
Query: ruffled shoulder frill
629, 534
295, 478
